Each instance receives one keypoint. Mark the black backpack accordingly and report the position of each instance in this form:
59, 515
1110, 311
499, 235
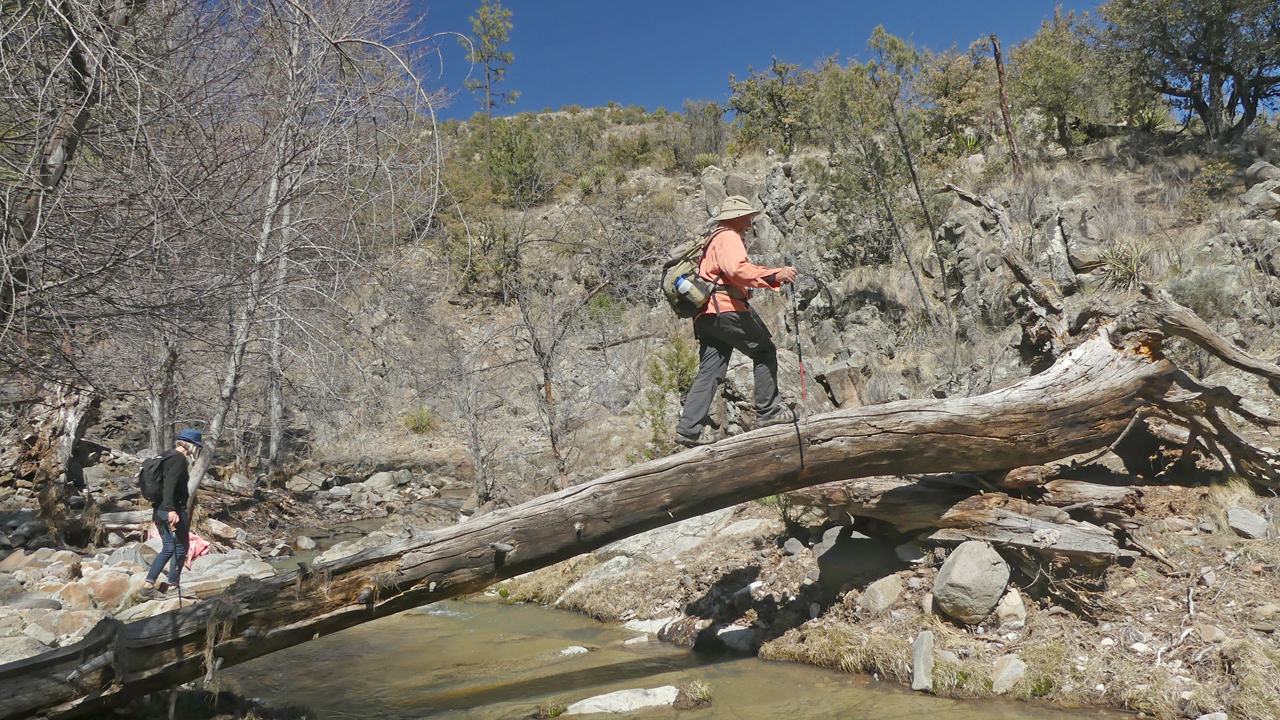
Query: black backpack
151, 480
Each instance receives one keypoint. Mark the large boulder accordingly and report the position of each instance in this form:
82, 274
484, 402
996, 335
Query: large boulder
713, 190
13, 649
1262, 199
1081, 232
1261, 171
306, 482
971, 582
108, 587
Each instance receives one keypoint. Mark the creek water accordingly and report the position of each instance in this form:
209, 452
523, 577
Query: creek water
485, 660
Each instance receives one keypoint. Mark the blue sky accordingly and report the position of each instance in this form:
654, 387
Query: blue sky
660, 52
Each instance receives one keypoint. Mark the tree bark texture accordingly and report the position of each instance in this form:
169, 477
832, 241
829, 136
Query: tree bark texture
1082, 403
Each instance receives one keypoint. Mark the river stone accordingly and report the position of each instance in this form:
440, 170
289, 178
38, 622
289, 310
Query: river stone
13, 649
574, 650
1247, 523
881, 594
625, 701
922, 662
793, 546
220, 530
40, 633
31, 601
971, 582
737, 638
9, 587
381, 481
1008, 670
304, 543
1011, 613
127, 555
13, 561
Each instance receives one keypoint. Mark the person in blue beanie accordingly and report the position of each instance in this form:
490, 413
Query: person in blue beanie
171, 515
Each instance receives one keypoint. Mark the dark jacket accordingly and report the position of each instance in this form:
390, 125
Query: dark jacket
173, 474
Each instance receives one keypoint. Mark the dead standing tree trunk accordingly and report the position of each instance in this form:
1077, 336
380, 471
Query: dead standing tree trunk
1082, 403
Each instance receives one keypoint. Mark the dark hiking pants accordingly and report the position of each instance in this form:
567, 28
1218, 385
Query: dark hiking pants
173, 547
718, 336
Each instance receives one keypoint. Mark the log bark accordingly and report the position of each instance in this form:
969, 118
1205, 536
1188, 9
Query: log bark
1080, 404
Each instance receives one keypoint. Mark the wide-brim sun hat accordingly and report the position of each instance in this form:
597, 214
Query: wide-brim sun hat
192, 436
735, 206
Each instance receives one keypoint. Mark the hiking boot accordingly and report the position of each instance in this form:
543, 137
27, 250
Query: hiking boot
784, 415
154, 592
689, 441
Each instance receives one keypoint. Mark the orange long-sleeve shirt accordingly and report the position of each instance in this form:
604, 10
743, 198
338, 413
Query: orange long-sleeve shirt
725, 263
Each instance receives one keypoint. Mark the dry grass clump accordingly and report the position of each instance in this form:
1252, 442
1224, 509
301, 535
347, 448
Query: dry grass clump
850, 648
549, 583
1256, 671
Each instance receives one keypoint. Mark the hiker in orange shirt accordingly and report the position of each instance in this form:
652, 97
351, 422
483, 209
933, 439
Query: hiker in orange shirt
729, 323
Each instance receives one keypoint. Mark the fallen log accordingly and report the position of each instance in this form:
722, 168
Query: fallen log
1080, 404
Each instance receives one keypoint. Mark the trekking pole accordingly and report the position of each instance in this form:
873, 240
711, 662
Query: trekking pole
795, 319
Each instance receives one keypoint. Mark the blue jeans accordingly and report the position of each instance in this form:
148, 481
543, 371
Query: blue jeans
173, 548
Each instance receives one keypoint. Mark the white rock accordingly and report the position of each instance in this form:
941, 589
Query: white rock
221, 530
922, 662
744, 527
1107, 642
1140, 648
1011, 612
39, 634
639, 640
651, 627
1247, 523
625, 701
1007, 671
1214, 716
574, 650
881, 594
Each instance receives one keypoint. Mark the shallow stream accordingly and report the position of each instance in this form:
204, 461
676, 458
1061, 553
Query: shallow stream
481, 659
